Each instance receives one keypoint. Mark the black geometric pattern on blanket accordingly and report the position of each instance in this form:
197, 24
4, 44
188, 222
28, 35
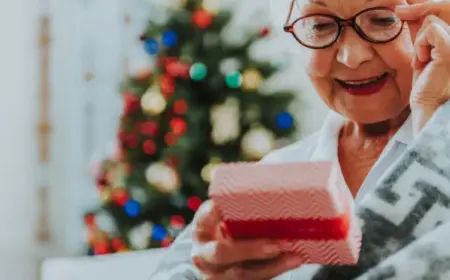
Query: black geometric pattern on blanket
428, 258
418, 188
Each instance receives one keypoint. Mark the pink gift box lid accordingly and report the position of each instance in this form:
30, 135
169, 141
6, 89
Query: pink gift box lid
264, 191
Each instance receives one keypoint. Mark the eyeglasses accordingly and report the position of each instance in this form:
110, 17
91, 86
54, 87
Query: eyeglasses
377, 25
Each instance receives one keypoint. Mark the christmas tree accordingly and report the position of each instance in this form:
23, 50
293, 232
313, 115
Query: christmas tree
203, 103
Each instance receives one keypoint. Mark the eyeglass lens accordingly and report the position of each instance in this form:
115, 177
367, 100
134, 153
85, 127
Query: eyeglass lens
377, 25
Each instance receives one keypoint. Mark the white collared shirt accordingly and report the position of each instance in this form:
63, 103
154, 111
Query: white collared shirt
323, 146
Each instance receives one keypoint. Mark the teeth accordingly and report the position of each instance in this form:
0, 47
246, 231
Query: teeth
357, 83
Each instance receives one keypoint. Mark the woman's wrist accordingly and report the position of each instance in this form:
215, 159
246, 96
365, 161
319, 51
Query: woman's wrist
421, 114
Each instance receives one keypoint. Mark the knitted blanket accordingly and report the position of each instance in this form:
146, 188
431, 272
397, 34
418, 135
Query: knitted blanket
405, 220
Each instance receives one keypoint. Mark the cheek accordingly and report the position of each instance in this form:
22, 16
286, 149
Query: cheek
398, 55
318, 65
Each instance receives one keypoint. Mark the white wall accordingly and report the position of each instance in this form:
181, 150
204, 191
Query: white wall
18, 87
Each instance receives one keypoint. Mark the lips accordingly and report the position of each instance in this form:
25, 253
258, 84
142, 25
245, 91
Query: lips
367, 86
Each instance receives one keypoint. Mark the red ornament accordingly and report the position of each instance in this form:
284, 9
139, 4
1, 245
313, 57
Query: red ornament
166, 242
177, 222
101, 248
89, 220
194, 203
149, 147
121, 135
178, 69
118, 244
120, 196
178, 126
167, 85
264, 32
131, 103
149, 128
180, 107
202, 19
171, 139
132, 140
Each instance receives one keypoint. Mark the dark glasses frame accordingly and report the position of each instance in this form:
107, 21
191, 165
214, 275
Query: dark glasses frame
289, 28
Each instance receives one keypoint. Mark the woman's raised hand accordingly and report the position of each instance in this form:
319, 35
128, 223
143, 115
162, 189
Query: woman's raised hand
429, 23
220, 258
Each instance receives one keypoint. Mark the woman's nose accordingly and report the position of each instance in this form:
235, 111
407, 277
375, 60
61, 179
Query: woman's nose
353, 50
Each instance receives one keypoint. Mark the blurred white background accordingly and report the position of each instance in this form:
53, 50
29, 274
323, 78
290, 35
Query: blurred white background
91, 41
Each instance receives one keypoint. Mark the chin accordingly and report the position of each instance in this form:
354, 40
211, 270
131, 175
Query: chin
372, 116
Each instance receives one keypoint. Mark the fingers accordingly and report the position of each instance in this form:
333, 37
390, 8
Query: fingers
207, 223
433, 40
420, 9
224, 253
415, 11
267, 270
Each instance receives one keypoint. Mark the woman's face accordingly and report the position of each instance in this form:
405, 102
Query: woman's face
352, 59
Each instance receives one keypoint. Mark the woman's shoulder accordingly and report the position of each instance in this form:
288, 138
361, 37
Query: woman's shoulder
298, 151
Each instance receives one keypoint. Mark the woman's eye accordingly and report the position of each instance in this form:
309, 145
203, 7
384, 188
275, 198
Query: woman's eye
322, 26
384, 21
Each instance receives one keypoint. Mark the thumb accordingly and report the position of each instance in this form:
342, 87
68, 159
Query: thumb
207, 222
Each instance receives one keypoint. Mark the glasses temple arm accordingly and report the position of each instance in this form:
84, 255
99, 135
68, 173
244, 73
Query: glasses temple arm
291, 9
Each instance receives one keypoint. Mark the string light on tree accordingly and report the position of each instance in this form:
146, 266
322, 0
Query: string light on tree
198, 71
212, 6
258, 142
163, 177
224, 120
105, 222
140, 236
229, 65
209, 169
105, 195
252, 79
175, 4
153, 102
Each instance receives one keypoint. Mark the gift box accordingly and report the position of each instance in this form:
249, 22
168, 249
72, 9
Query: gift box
305, 205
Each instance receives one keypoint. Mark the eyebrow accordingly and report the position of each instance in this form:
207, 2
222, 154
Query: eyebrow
323, 4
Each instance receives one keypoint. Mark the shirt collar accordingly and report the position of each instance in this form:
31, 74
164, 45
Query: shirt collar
326, 148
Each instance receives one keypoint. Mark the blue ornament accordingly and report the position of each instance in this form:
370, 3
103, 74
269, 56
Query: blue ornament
285, 120
132, 208
159, 233
169, 38
90, 252
151, 46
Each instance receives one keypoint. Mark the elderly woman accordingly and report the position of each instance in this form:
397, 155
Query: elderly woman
383, 68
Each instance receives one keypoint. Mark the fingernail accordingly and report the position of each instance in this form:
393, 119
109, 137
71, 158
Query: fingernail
401, 8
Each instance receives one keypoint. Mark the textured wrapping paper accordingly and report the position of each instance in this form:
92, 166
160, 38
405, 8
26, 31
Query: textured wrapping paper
305, 205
